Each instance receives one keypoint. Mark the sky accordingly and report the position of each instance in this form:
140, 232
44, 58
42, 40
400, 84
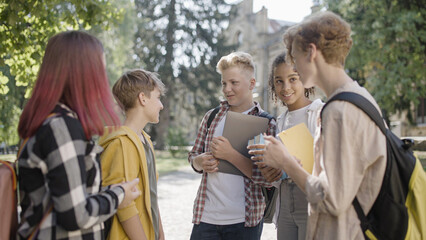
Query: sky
289, 10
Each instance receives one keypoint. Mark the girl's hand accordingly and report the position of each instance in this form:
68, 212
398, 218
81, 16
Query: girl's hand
131, 192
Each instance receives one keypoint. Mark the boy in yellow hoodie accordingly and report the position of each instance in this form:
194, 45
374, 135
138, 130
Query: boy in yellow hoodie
129, 154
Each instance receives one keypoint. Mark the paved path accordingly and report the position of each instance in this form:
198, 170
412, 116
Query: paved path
177, 192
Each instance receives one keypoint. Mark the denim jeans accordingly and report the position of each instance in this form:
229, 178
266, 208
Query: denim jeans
205, 231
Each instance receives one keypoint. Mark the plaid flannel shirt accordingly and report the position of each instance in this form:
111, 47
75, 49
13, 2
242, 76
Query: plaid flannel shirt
60, 166
254, 201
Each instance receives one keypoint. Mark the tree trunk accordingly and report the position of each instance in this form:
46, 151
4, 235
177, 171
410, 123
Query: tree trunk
166, 73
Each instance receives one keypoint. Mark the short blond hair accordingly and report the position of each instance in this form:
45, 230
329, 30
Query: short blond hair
133, 82
236, 59
328, 31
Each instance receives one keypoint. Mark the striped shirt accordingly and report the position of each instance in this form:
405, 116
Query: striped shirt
59, 166
254, 201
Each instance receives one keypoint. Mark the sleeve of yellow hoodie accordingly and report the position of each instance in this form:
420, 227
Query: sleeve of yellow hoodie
113, 172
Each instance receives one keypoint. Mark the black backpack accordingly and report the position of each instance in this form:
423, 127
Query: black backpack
270, 194
399, 211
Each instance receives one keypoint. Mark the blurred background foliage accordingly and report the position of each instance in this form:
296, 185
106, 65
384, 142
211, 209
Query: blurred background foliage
182, 40
389, 50
174, 38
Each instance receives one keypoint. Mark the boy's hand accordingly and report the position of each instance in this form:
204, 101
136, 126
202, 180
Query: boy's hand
276, 154
257, 150
161, 235
221, 148
206, 162
269, 173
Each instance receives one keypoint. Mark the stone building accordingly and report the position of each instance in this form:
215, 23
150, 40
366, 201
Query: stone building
262, 37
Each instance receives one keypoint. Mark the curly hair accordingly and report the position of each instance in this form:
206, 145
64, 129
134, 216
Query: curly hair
281, 59
328, 31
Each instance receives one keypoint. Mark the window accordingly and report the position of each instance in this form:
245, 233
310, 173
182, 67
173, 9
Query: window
238, 39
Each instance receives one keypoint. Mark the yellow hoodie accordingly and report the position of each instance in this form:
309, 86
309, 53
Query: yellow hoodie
123, 160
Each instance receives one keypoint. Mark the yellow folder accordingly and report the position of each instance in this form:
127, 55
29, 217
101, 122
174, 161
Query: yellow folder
300, 144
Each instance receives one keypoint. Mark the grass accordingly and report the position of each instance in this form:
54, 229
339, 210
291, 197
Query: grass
8, 157
165, 161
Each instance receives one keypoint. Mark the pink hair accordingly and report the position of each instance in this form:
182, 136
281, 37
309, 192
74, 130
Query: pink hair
72, 72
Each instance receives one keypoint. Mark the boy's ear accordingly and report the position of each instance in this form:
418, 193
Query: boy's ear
142, 98
312, 52
252, 83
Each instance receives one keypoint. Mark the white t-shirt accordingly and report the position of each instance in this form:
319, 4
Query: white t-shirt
225, 197
292, 118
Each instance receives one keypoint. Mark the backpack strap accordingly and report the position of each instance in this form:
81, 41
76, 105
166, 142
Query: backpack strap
210, 120
265, 114
216, 110
11, 168
368, 108
363, 104
34, 233
212, 115
365, 224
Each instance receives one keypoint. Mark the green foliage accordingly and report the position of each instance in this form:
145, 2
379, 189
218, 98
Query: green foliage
174, 38
389, 49
118, 40
25, 27
176, 141
9, 123
203, 82
10, 101
166, 163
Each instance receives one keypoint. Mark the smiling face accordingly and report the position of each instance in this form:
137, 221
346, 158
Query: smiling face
288, 87
237, 86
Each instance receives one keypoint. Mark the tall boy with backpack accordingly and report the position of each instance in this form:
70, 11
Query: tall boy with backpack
351, 190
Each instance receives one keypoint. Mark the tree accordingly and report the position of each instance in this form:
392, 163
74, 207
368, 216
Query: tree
9, 109
118, 39
203, 82
25, 27
389, 49
173, 38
